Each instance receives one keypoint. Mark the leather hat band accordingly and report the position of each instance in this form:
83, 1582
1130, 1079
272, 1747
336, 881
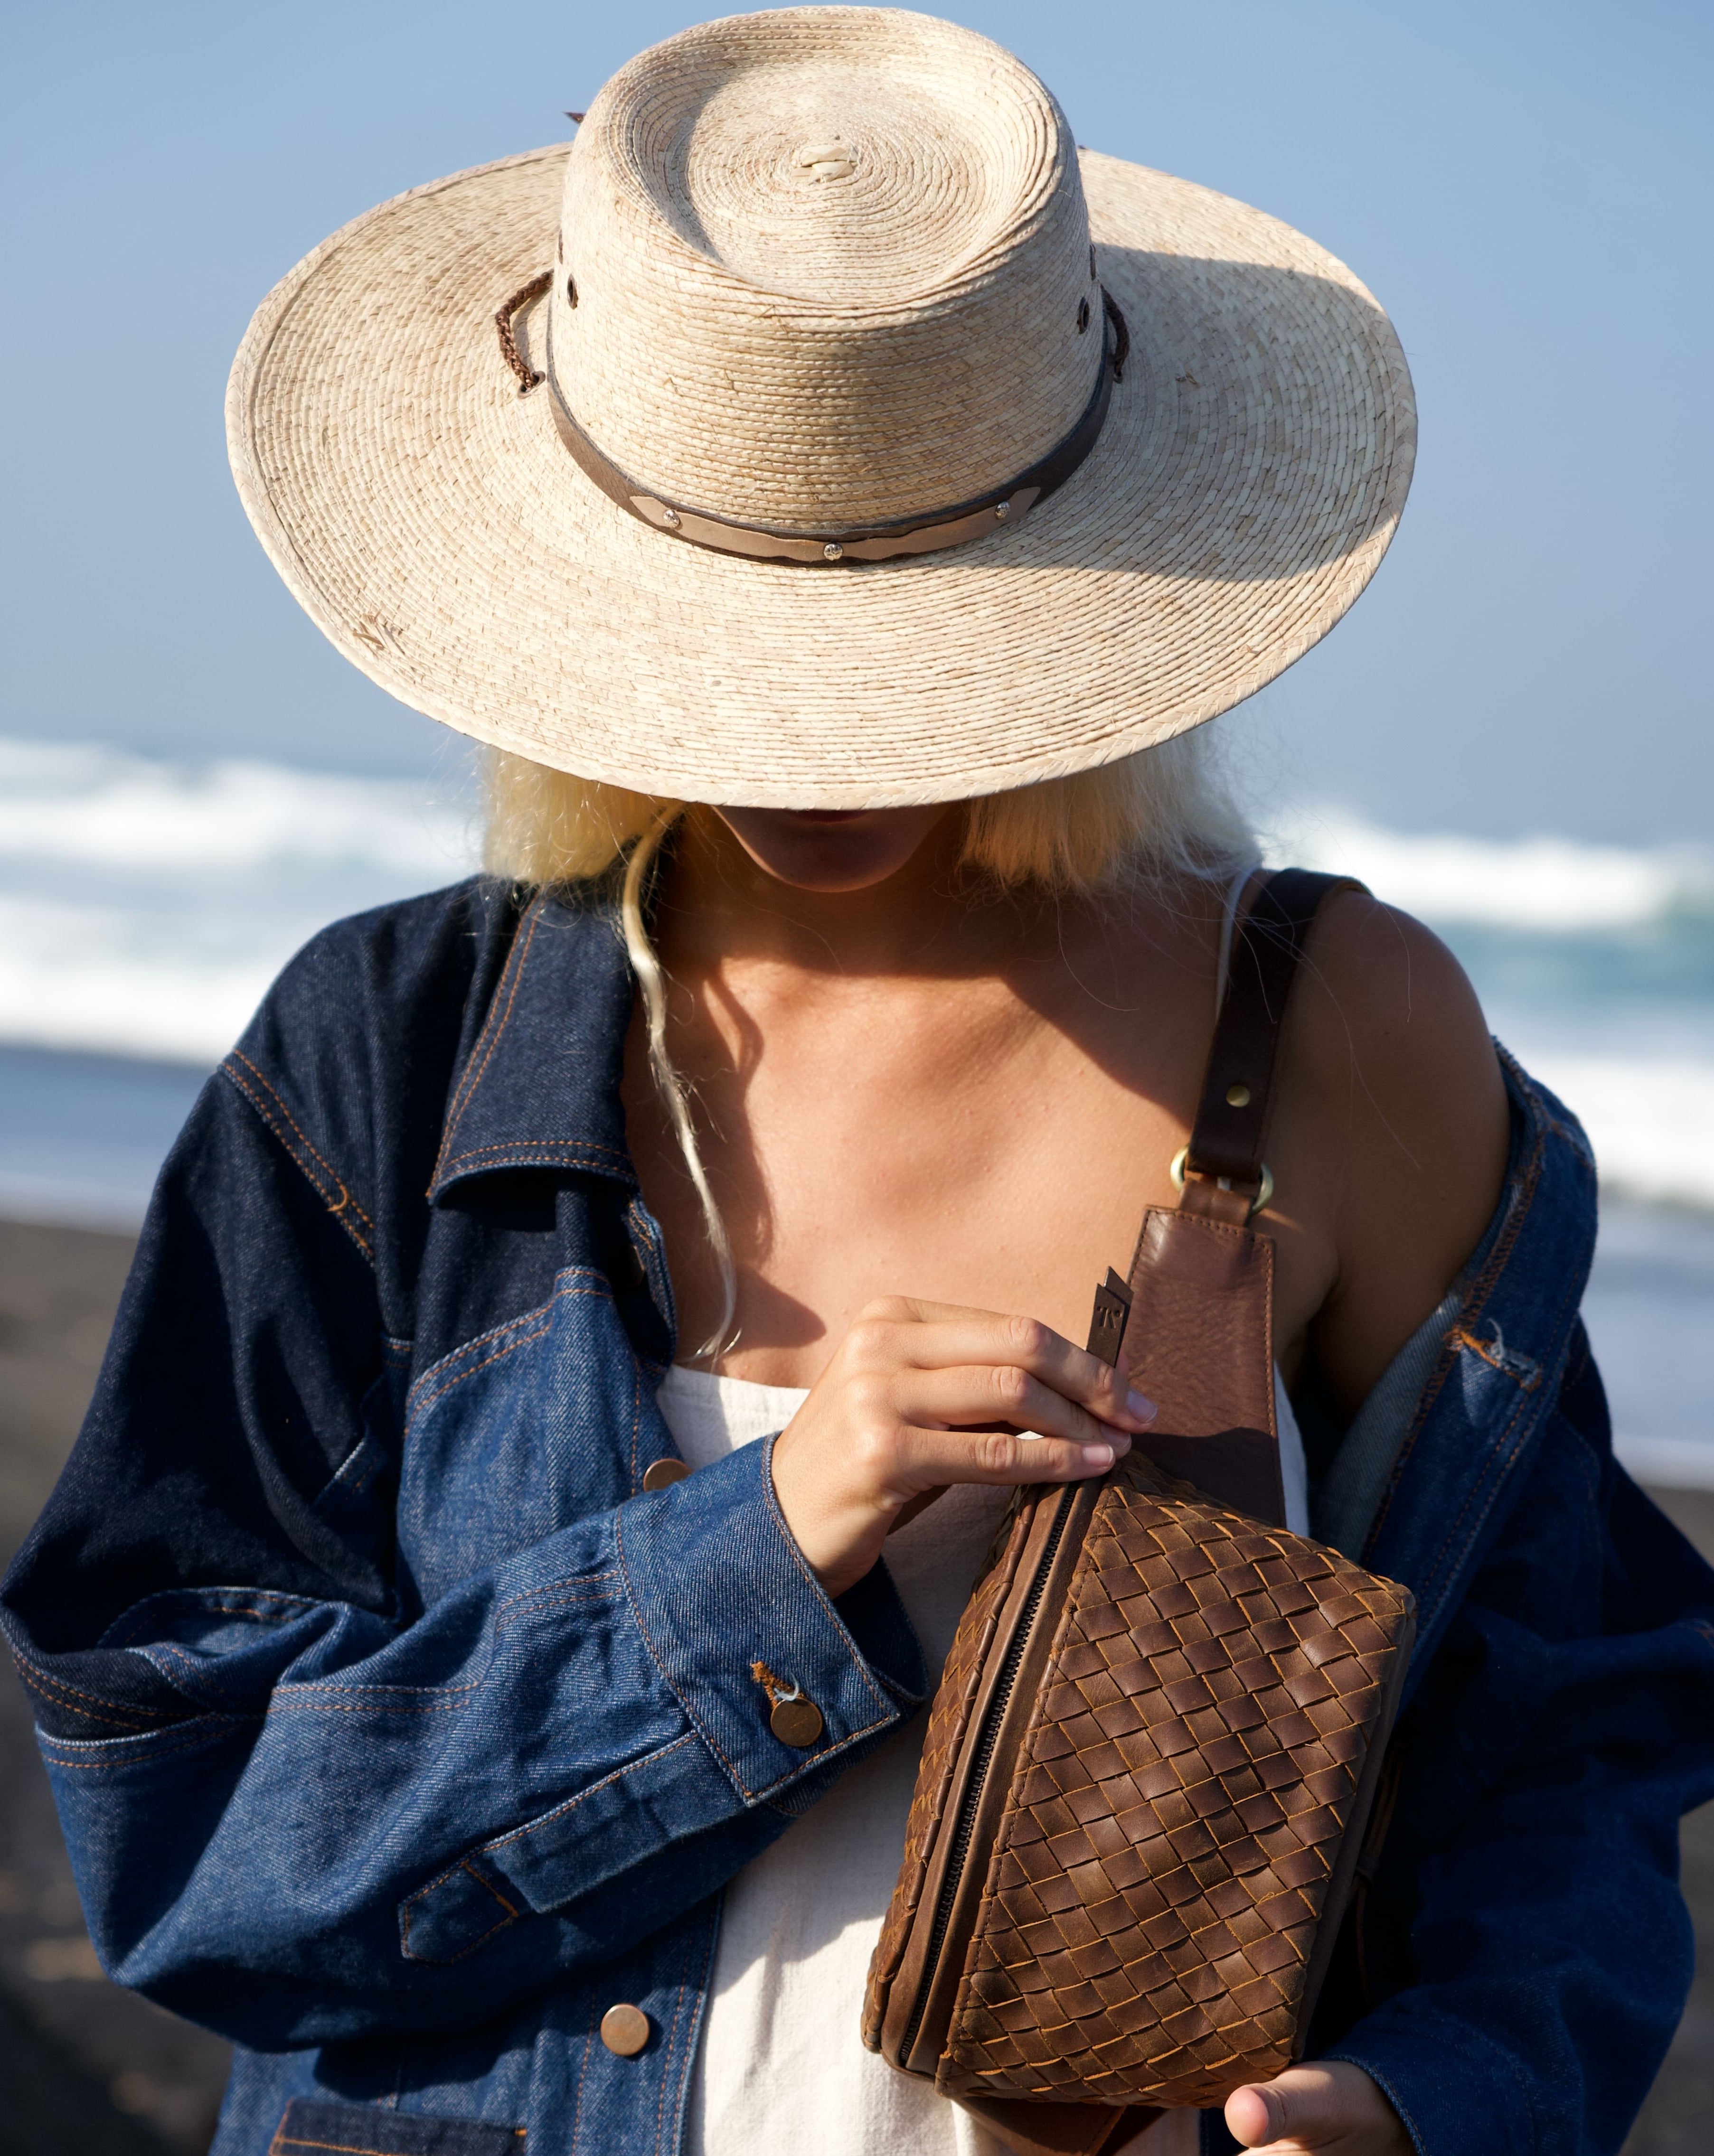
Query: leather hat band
925, 534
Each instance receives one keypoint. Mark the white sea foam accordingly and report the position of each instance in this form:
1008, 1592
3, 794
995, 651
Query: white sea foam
95, 809
1542, 886
145, 905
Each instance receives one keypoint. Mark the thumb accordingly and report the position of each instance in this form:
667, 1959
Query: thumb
1303, 2107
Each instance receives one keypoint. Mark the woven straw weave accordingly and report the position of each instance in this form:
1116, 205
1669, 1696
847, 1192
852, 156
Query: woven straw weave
794, 338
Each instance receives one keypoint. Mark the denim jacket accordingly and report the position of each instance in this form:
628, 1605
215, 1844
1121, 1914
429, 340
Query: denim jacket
398, 1732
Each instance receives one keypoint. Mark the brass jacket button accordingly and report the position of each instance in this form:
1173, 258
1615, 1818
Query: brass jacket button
624, 2031
662, 1474
797, 1722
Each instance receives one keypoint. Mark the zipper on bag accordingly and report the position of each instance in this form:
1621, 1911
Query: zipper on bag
981, 1760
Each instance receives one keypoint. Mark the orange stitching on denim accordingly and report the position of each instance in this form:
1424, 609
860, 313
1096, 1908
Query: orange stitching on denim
442, 1961
201, 1741
466, 1865
416, 1409
123, 1630
465, 1091
499, 1355
556, 1596
671, 2033
888, 1713
278, 1705
573, 1146
600, 1286
1528, 1175
591, 1580
446, 1961
337, 1480
516, 960
126, 1724
410, 1691
272, 1091
140, 1717
1496, 1355
1570, 1295
346, 1204
571, 1804
283, 2141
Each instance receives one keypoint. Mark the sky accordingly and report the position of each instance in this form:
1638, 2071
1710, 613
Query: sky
1528, 188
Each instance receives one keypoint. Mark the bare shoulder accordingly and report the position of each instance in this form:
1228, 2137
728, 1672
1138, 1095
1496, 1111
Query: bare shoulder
1384, 998
1394, 1076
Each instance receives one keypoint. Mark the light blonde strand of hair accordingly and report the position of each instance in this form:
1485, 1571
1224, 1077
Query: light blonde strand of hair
667, 1082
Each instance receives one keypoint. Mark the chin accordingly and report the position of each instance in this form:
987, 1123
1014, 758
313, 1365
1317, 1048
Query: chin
832, 851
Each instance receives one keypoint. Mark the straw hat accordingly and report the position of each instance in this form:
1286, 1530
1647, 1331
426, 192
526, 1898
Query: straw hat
845, 438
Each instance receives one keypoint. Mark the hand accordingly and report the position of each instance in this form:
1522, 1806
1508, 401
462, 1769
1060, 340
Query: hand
1334, 2107
910, 1404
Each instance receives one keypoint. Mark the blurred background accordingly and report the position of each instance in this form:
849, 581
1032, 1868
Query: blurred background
1510, 735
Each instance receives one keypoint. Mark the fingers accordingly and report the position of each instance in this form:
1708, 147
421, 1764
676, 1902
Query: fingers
900, 1331
977, 1395
997, 1458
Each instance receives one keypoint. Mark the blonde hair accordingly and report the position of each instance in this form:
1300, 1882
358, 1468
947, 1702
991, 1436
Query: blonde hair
1163, 813
1157, 817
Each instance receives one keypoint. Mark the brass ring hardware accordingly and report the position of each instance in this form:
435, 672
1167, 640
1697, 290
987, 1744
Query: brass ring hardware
1258, 1204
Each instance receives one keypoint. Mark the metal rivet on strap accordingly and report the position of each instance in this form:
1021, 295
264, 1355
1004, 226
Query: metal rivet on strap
833, 550
669, 517
1002, 510
1237, 1097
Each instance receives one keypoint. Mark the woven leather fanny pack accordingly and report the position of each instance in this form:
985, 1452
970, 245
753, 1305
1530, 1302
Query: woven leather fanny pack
1153, 1753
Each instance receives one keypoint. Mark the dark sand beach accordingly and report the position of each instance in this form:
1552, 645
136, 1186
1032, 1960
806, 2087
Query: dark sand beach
88, 2070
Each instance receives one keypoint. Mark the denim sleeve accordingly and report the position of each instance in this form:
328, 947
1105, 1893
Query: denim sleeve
1526, 1931
296, 1815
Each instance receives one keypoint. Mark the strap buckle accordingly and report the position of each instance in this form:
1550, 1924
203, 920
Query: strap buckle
1258, 1204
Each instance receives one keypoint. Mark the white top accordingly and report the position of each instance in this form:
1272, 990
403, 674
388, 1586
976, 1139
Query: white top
781, 2069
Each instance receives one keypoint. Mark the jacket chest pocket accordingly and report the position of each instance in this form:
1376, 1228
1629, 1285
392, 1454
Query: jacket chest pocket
521, 1431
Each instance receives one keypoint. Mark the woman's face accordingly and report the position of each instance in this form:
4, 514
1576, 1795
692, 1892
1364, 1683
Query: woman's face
832, 849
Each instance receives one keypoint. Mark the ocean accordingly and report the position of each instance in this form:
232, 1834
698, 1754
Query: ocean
144, 904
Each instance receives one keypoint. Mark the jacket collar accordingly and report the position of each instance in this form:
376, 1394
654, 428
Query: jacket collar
1428, 1472
540, 1085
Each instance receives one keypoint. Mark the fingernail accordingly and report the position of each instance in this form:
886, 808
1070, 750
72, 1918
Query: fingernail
1097, 1458
1141, 1405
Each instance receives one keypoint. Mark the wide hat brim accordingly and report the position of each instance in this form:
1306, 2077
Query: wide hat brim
1248, 478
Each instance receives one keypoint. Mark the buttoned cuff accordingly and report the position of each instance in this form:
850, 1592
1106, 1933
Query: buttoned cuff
720, 1590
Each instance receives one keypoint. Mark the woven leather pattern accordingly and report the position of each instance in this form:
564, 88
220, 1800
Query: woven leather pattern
1180, 1801
960, 1677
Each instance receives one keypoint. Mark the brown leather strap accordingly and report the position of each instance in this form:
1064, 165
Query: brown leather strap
954, 525
1237, 1085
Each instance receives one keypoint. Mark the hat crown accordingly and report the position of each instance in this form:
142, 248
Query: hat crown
825, 267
